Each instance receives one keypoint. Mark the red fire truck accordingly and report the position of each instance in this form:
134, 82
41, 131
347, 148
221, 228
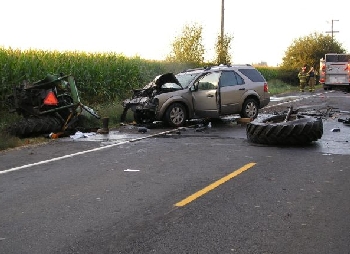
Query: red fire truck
335, 71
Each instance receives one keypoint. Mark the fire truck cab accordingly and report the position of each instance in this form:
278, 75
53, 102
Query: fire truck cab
335, 71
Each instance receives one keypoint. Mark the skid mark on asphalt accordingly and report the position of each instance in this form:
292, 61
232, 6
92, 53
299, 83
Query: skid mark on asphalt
84, 152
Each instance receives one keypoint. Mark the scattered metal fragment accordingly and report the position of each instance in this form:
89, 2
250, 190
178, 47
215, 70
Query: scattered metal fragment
142, 129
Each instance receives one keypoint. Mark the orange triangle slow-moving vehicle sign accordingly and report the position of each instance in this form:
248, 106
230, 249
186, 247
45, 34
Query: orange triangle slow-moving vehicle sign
50, 99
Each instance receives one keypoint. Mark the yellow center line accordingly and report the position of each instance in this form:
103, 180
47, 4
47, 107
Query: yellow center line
212, 186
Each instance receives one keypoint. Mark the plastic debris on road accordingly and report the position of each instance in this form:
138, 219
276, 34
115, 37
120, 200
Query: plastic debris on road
80, 134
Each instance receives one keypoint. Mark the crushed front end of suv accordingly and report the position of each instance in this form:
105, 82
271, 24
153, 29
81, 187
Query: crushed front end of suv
201, 93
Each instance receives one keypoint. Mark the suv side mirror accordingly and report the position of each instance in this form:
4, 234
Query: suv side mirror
194, 87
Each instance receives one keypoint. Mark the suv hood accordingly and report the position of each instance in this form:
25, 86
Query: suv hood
163, 79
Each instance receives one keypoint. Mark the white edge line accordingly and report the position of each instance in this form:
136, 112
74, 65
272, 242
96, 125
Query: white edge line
83, 152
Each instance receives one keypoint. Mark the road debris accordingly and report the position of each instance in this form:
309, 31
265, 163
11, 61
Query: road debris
80, 134
142, 129
131, 170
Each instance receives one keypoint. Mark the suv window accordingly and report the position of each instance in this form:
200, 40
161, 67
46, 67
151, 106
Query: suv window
172, 86
186, 79
230, 78
209, 81
253, 74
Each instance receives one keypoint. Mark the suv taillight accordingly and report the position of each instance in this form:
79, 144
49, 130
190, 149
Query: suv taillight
266, 88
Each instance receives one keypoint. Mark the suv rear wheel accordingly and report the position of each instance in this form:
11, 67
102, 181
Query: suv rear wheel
250, 109
176, 115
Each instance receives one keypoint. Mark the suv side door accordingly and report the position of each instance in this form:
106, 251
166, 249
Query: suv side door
205, 95
231, 90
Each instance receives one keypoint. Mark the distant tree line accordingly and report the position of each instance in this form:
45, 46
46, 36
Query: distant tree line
308, 50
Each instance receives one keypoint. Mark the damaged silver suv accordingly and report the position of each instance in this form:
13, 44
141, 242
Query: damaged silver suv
209, 93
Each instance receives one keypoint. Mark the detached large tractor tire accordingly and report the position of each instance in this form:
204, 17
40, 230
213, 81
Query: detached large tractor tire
34, 126
299, 130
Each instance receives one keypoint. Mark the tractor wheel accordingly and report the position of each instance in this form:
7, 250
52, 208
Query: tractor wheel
274, 130
34, 126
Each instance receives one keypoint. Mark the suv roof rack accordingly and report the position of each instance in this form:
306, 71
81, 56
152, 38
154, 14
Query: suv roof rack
194, 69
214, 66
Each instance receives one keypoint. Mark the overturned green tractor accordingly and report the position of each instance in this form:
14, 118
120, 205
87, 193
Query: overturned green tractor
48, 105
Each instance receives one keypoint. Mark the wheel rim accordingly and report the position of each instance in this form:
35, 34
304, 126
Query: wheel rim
177, 115
251, 109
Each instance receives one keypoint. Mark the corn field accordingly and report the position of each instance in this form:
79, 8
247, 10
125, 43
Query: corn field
100, 77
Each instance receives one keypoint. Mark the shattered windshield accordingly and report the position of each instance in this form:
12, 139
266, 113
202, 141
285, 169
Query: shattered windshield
185, 79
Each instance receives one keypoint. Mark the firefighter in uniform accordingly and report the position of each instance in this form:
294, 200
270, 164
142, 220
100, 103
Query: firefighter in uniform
302, 75
312, 79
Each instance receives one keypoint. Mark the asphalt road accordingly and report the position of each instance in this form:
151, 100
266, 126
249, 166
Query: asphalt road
208, 191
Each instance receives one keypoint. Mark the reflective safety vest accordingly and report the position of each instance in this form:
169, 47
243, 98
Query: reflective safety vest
302, 77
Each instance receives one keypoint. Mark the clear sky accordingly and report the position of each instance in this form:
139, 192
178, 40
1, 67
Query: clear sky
262, 30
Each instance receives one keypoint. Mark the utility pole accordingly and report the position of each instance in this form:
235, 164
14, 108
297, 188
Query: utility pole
222, 18
221, 60
332, 31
